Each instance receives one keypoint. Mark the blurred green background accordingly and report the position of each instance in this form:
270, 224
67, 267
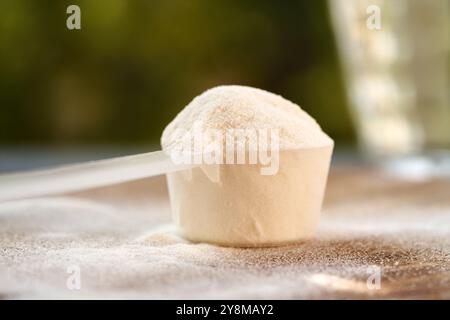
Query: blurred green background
135, 64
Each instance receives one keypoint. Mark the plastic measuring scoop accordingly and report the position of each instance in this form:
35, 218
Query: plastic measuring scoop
87, 175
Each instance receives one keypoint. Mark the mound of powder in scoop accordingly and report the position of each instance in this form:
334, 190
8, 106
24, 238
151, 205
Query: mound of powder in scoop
245, 203
241, 107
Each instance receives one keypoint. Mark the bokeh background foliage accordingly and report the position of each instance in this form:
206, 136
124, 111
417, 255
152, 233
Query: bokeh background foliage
136, 63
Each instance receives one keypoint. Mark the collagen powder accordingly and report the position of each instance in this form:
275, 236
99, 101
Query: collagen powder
265, 183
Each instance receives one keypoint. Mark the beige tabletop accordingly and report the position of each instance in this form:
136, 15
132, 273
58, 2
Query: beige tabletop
380, 237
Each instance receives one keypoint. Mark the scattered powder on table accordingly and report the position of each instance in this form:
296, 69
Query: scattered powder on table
133, 253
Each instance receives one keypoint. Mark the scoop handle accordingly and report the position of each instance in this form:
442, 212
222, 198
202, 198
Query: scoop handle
86, 175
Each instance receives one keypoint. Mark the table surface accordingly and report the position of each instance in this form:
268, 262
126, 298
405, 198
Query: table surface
379, 237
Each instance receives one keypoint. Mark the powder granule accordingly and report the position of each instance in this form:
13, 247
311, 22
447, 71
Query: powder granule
241, 107
236, 204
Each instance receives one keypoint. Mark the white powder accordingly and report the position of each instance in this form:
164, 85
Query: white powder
236, 205
398, 225
240, 107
